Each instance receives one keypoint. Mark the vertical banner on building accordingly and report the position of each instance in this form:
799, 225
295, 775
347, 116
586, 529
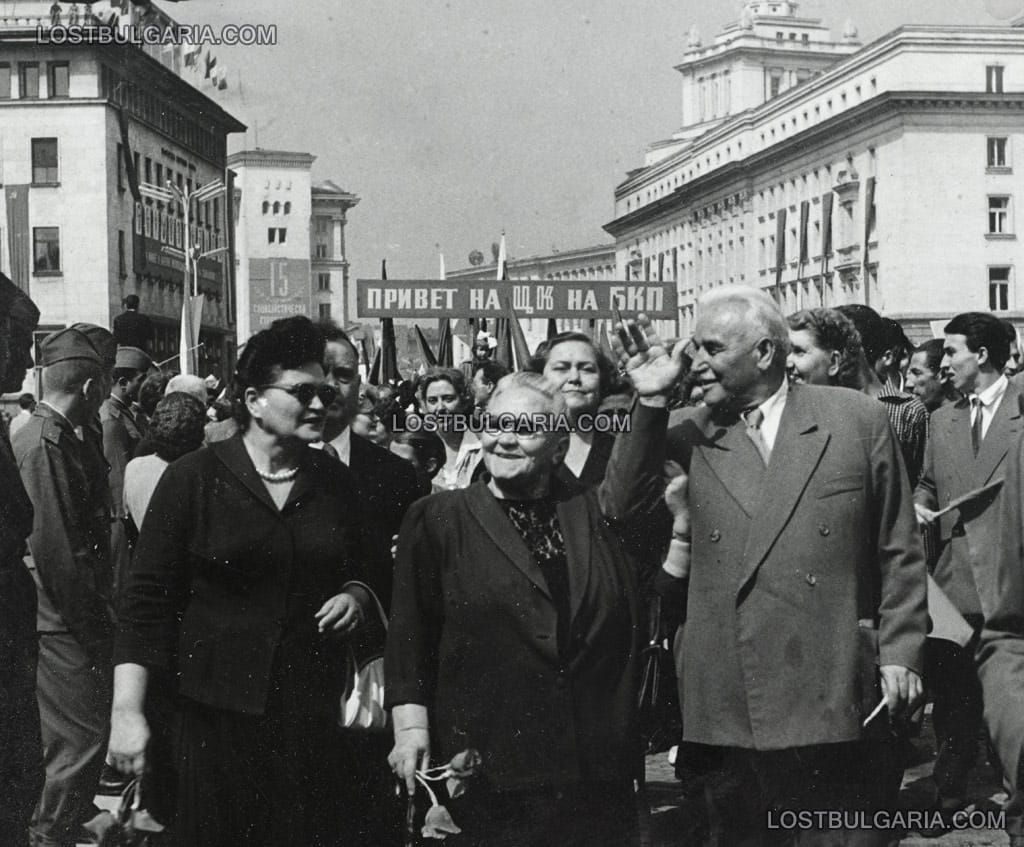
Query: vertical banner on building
138, 244
229, 230
869, 219
19, 243
805, 213
780, 244
826, 231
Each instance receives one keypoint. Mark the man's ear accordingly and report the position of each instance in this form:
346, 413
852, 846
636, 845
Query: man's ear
765, 353
982, 355
835, 360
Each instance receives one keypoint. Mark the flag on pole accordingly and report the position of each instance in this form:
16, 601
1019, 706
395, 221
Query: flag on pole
445, 348
191, 321
388, 348
552, 328
373, 376
211, 63
442, 272
428, 355
826, 231
780, 244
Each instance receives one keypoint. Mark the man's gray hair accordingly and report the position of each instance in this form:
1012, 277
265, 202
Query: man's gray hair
755, 310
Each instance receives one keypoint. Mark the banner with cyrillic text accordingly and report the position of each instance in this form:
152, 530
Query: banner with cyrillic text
432, 298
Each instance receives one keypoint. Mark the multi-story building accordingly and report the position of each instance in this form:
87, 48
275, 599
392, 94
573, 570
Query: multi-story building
290, 241
80, 127
826, 172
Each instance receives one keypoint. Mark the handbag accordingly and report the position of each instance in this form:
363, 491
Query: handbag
133, 826
362, 703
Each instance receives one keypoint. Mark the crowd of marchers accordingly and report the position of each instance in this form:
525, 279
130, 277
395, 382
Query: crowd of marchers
823, 520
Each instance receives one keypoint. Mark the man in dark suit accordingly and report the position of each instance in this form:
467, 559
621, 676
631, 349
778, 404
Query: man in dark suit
805, 598
1001, 651
387, 486
21, 748
132, 329
967, 450
75, 618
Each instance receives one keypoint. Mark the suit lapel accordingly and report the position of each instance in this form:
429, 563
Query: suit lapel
734, 459
233, 455
495, 523
799, 444
575, 524
959, 434
1005, 425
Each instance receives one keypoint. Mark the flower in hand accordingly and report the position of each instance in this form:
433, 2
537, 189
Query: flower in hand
438, 822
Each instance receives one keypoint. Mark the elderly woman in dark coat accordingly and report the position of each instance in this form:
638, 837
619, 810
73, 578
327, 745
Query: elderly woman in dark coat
240, 578
515, 632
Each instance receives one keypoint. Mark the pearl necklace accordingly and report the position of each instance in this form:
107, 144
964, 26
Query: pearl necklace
280, 476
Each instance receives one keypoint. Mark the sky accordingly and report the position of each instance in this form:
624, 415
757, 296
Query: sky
455, 120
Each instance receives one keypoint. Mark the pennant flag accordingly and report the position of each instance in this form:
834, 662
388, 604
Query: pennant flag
188, 344
442, 273
504, 352
138, 238
552, 328
519, 346
389, 353
428, 355
780, 244
445, 347
502, 260
805, 213
869, 220
826, 231
373, 377
384, 269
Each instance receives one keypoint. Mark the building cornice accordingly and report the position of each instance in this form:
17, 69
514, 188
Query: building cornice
852, 120
931, 37
271, 159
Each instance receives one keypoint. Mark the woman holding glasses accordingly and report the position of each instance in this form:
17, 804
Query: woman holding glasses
240, 586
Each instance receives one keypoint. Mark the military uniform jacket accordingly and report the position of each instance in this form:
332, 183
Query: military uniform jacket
15, 505
67, 533
965, 570
798, 570
121, 435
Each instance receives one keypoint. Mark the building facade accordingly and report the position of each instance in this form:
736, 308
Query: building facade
883, 176
290, 241
80, 127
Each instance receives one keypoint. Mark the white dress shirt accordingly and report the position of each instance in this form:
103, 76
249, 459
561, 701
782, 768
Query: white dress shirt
990, 399
772, 411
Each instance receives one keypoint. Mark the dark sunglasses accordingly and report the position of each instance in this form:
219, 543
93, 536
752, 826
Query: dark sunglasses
305, 392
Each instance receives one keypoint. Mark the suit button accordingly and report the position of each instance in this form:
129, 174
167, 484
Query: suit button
715, 536
811, 579
823, 529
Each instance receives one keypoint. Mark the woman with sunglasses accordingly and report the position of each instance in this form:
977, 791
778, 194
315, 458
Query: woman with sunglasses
515, 631
240, 586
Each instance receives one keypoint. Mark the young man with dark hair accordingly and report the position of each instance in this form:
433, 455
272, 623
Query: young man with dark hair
486, 373
967, 451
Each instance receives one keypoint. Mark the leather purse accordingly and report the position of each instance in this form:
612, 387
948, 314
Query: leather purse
362, 702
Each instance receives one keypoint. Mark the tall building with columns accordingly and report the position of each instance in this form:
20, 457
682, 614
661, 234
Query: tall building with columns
290, 241
828, 172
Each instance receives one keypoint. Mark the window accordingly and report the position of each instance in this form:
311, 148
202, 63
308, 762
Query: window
44, 161
28, 79
805, 38
287, 208
46, 249
323, 282
266, 207
994, 79
997, 152
281, 233
774, 83
271, 235
321, 251
160, 175
999, 289
59, 77
5, 81
149, 169
999, 215
277, 208
122, 267
324, 311
120, 168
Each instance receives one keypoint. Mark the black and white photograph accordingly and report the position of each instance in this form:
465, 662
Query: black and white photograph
511, 423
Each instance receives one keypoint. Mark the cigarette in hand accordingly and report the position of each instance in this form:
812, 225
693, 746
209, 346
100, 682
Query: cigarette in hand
875, 713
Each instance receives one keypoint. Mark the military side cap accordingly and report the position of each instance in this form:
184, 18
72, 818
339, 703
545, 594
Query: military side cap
65, 345
102, 339
134, 358
16, 304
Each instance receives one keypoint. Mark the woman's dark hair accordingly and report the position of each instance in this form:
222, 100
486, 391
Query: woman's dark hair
426, 445
287, 343
390, 411
609, 380
175, 428
152, 391
453, 376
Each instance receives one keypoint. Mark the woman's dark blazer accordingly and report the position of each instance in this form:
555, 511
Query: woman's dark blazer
473, 638
224, 587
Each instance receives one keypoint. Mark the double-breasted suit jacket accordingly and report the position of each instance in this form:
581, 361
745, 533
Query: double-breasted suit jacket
796, 568
969, 534
473, 637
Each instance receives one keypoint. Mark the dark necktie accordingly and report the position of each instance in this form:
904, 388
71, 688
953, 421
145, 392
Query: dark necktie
976, 436
753, 419
331, 451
